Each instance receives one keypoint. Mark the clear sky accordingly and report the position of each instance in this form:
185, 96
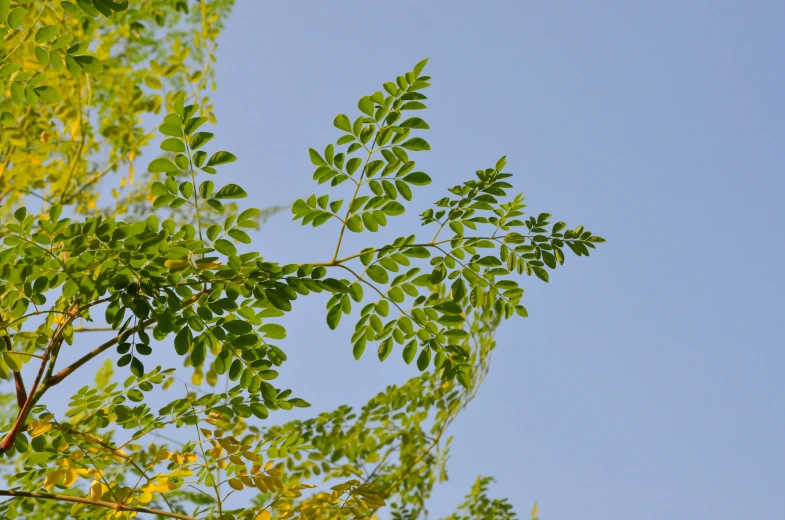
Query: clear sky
647, 382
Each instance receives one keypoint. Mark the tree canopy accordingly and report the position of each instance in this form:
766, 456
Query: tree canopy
170, 264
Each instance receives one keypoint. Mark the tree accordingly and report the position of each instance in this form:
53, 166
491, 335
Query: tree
187, 272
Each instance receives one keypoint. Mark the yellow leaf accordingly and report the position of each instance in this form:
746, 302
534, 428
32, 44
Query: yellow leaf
235, 483
237, 460
53, 478
281, 504
70, 477
253, 457
269, 464
40, 429
160, 488
260, 484
197, 378
162, 455
264, 515
209, 265
96, 490
182, 472
145, 497
176, 264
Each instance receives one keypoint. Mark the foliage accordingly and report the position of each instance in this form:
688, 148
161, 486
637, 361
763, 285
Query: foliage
81, 91
478, 505
181, 266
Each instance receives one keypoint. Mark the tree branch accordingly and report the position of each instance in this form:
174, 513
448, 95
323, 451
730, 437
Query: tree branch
100, 503
55, 379
21, 393
35, 392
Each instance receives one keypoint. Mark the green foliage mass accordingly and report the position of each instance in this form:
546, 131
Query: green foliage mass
174, 258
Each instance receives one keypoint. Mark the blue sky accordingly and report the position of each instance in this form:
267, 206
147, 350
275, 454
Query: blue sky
647, 382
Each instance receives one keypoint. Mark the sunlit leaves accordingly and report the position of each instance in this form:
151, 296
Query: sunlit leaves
187, 279
219, 158
231, 191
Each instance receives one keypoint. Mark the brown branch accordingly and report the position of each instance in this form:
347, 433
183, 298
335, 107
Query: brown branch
109, 505
55, 379
21, 393
35, 392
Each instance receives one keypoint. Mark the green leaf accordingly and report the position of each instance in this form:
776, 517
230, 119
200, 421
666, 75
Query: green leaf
9, 68
174, 131
73, 67
30, 96
278, 301
56, 61
393, 208
162, 165
173, 145
90, 64
541, 273
416, 144
5, 5
46, 33
418, 179
419, 67
352, 165
48, 94
385, 347
342, 122
219, 158
42, 56
378, 274
316, 159
61, 41
273, 331
137, 367
415, 122
182, 341
17, 93
239, 235
424, 359
199, 139
13, 360
409, 351
225, 247
231, 191
366, 105
237, 327
355, 224
413, 105
15, 17
358, 348
514, 238
334, 317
